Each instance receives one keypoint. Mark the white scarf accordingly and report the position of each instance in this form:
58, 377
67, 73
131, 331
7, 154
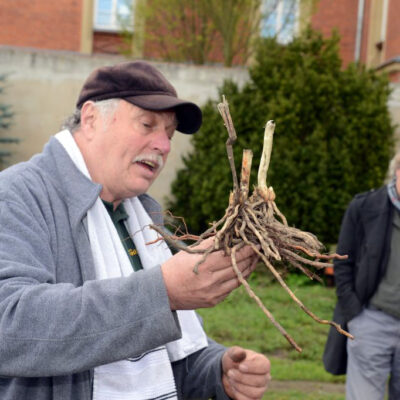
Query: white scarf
149, 375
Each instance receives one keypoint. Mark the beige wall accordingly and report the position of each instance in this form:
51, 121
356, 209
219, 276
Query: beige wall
42, 88
87, 27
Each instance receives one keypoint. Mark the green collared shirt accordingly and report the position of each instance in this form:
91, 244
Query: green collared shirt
118, 217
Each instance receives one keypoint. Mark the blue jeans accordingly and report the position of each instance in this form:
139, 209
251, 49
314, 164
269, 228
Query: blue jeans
373, 356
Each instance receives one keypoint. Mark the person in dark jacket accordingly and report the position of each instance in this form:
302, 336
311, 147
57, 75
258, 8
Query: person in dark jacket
368, 290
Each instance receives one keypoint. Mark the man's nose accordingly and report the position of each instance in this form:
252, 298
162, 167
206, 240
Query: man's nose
162, 142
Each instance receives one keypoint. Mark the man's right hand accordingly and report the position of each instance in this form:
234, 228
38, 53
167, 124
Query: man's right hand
214, 281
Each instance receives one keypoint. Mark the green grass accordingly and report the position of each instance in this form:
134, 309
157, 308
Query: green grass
239, 321
297, 395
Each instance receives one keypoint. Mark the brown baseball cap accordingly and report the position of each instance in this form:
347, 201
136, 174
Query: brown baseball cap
144, 86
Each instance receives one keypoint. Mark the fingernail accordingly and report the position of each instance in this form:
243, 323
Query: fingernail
231, 374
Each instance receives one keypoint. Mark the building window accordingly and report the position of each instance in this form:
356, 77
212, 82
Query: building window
113, 15
279, 19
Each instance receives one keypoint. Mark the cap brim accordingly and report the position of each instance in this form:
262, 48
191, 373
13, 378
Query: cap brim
189, 115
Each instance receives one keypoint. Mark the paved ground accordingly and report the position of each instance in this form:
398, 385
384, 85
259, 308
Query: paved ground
307, 386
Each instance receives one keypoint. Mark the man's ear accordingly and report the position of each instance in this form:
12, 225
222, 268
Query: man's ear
89, 119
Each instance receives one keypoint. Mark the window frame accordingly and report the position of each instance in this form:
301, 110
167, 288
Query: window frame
114, 26
281, 20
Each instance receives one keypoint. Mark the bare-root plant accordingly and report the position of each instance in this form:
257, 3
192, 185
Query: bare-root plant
257, 222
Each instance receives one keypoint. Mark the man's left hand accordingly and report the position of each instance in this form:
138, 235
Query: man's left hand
245, 374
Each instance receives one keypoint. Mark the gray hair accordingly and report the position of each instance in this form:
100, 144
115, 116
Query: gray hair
394, 165
105, 107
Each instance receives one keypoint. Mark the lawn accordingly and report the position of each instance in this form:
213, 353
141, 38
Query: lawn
238, 320
298, 395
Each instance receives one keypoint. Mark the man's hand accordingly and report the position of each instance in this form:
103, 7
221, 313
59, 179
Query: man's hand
214, 281
245, 374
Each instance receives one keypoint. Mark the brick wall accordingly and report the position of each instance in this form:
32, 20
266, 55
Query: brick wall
365, 30
392, 48
45, 24
109, 43
342, 15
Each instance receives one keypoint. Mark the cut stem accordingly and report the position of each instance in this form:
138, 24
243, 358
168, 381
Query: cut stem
223, 109
245, 177
266, 154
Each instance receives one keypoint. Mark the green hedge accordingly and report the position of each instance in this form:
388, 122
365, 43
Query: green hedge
333, 137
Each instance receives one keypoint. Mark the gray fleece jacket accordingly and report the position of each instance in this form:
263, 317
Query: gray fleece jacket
56, 321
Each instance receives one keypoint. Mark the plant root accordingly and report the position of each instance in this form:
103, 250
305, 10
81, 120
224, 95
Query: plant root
257, 222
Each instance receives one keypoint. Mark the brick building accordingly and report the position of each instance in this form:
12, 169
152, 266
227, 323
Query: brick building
368, 28
74, 25
369, 31
56, 25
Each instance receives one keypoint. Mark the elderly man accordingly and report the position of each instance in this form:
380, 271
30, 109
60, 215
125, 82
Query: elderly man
91, 305
368, 284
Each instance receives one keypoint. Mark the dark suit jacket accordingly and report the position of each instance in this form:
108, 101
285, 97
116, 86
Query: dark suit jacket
365, 237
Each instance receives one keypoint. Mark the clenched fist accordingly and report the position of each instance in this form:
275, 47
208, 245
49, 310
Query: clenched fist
245, 374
